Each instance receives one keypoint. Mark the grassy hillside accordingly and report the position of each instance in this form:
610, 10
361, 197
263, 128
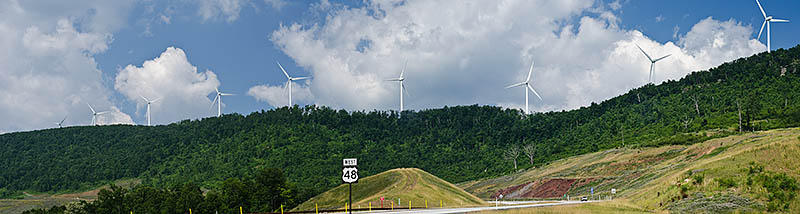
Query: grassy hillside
455, 143
406, 184
741, 172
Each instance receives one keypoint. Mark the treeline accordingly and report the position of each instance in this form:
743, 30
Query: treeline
266, 191
455, 143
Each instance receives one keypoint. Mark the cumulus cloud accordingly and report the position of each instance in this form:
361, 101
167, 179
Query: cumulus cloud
180, 89
278, 95
48, 62
466, 52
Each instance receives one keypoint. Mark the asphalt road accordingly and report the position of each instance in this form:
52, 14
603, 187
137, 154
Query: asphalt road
505, 205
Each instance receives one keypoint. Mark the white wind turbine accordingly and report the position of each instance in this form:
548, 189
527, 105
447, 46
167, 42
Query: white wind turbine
767, 20
402, 86
94, 114
289, 80
652, 62
527, 87
148, 107
62, 121
218, 99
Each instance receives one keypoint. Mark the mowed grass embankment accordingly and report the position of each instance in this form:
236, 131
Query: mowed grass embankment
605, 207
712, 176
406, 184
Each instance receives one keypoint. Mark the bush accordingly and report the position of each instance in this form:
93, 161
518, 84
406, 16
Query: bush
698, 179
726, 182
781, 190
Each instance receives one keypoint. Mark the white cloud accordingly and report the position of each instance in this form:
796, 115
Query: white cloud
660, 18
48, 62
466, 52
278, 95
182, 90
220, 9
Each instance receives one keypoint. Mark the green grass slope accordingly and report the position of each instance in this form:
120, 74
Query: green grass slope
406, 184
743, 172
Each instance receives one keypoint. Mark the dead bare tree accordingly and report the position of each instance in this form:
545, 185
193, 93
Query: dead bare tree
696, 107
529, 151
512, 154
740, 115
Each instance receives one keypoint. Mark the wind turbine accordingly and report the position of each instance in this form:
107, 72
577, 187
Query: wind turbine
289, 80
527, 87
94, 114
62, 121
402, 86
148, 107
767, 20
219, 103
652, 62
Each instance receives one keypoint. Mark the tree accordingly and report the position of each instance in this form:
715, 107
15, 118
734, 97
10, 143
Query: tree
530, 151
511, 154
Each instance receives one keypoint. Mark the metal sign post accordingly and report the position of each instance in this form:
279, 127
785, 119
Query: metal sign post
350, 176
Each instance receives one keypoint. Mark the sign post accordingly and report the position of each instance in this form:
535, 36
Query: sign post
350, 176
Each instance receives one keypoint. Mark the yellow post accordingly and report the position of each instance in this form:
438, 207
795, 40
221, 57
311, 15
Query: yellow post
131, 211
281, 209
370, 206
426, 204
316, 208
441, 205
345, 207
240, 210
392, 206
409, 204
190, 210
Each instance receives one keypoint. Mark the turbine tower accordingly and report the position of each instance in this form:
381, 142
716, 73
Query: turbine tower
289, 80
94, 114
218, 99
62, 121
767, 20
652, 62
402, 86
527, 87
148, 107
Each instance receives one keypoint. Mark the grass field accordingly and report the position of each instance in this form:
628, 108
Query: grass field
605, 207
407, 184
695, 177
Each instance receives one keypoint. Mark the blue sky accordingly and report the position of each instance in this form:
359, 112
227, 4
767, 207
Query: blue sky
458, 53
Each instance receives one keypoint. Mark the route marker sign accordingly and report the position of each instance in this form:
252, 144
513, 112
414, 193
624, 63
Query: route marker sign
350, 176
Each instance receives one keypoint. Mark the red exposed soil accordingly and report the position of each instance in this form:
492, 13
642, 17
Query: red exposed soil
552, 188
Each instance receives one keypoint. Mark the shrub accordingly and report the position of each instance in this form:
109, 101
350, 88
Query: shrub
698, 179
726, 182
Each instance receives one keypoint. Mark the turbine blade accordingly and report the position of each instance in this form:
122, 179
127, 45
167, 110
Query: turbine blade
213, 101
156, 100
779, 20
102, 112
90, 107
393, 79
515, 85
762, 29
403, 86
645, 53
762, 9
404, 69
226, 94
62, 120
216, 89
284, 71
529, 73
299, 78
144, 98
534, 92
662, 57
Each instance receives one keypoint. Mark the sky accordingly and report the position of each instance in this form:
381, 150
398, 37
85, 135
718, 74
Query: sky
59, 56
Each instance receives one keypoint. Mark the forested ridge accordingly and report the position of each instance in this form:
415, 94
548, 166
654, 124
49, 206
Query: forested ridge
455, 143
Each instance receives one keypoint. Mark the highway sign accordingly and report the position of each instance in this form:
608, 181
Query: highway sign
350, 175
349, 162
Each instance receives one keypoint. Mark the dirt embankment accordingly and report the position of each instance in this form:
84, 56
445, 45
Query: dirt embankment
550, 188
